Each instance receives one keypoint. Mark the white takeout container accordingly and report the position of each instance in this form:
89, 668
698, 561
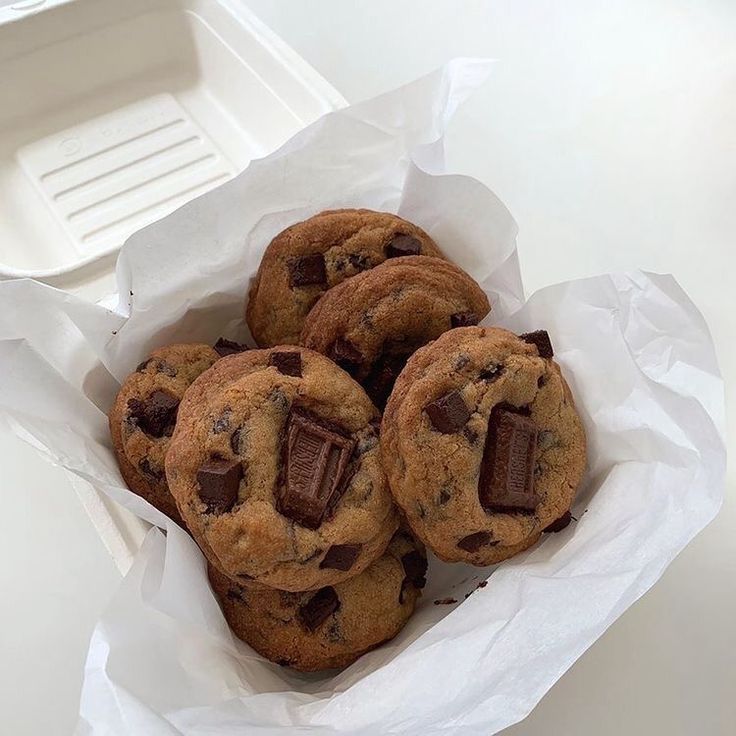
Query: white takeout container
113, 113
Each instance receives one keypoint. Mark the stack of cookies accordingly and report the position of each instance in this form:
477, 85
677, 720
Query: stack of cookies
375, 420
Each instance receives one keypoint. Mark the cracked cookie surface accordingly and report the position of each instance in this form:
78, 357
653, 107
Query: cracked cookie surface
482, 444
276, 469
372, 323
144, 413
333, 626
308, 258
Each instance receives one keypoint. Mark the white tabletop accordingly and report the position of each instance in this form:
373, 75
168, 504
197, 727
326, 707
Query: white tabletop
608, 131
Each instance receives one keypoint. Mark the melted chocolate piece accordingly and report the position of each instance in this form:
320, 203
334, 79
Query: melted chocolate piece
380, 380
341, 557
402, 245
559, 524
449, 413
541, 340
225, 347
318, 608
316, 460
507, 471
287, 362
155, 415
307, 270
473, 542
346, 355
415, 568
219, 481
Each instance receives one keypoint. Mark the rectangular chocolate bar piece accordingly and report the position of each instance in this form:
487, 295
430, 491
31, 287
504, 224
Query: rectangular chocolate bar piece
316, 459
507, 472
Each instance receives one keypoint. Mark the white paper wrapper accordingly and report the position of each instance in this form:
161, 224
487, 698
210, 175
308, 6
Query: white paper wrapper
633, 347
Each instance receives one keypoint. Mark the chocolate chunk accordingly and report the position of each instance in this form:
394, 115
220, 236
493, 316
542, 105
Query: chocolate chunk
307, 270
225, 347
415, 568
540, 339
235, 441
507, 470
316, 459
491, 373
380, 380
147, 469
473, 542
219, 481
345, 354
318, 608
559, 524
156, 415
341, 557
448, 413
142, 366
402, 245
464, 319
288, 362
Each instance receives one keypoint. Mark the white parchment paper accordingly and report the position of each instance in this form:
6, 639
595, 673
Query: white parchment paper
633, 347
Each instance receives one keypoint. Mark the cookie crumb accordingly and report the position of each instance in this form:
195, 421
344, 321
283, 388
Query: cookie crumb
445, 601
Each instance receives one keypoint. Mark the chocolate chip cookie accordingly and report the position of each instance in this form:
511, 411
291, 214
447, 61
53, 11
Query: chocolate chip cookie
308, 258
276, 469
482, 444
333, 626
144, 413
372, 323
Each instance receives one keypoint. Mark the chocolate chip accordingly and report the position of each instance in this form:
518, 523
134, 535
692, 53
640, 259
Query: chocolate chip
445, 601
307, 270
421, 511
415, 568
470, 435
559, 524
163, 367
316, 460
444, 497
507, 471
147, 469
346, 355
283, 662
464, 319
359, 262
318, 608
541, 381
473, 542
156, 415
225, 347
448, 413
219, 481
142, 366
402, 245
379, 382
541, 340
288, 362
340, 557
235, 441
278, 398
491, 372
222, 423
235, 594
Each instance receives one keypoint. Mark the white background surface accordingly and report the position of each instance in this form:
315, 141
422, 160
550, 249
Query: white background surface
608, 130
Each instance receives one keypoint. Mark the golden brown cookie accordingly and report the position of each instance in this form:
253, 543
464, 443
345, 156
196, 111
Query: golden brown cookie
308, 258
482, 444
143, 416
333, 626
276, 470
372, 323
